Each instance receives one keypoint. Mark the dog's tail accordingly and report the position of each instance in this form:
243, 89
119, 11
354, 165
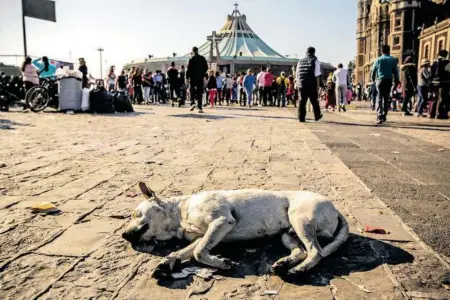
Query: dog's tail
339, 239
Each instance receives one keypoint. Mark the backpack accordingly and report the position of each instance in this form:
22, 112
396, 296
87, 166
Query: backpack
283, 82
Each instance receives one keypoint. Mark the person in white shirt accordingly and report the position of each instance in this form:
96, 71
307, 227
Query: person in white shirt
340, 77
260, 84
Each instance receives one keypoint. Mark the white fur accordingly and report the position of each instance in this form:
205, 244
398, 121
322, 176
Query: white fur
208, 218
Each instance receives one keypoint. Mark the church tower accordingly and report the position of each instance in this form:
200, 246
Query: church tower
405, 23
361, 38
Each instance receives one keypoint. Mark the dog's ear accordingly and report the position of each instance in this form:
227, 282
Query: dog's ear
148, 193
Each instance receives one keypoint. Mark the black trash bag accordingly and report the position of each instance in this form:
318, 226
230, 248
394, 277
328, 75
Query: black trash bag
122, 102
101, 101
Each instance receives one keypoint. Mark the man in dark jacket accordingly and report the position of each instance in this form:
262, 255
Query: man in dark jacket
172, 76
409, 83
197, 68
308, 82
440, 74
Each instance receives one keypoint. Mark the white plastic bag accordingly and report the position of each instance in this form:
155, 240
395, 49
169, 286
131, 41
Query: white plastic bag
85, 100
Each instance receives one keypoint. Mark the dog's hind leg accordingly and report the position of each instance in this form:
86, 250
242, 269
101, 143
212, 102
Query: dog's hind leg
297, 254
306, 232
215, 233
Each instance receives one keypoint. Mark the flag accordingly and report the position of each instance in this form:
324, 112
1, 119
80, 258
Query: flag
39, 9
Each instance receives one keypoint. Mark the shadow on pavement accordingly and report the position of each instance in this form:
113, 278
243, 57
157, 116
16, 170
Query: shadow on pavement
9, 125
202, 116
358, 254
389, 124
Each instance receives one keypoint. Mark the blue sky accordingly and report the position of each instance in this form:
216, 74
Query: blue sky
132, 29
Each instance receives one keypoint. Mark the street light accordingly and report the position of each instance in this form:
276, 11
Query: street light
101, 63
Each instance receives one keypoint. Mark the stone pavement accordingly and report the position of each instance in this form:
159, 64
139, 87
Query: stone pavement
88, 165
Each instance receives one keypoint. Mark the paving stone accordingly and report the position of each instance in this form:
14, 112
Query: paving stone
79, 239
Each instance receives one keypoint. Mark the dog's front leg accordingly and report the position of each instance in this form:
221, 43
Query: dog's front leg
215, 233
165, 266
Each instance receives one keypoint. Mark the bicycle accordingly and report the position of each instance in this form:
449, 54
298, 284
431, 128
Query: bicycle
42, 96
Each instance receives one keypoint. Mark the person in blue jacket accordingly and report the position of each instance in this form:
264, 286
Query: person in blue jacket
45, 68
249, 82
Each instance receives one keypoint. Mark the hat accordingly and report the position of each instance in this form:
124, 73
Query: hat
424, 62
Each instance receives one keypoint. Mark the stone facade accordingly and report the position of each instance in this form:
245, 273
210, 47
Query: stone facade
397, 23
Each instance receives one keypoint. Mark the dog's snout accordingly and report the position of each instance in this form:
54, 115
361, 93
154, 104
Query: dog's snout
134, 235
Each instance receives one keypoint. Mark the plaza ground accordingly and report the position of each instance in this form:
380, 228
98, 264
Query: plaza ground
393, 176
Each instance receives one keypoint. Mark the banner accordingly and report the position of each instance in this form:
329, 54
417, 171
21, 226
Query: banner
39, 9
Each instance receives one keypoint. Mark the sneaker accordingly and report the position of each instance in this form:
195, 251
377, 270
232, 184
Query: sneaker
200, 111
407, 113
320, 117
379, 122
192, 108
344, 109
302, 121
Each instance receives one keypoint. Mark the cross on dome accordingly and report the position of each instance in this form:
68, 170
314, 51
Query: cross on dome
236, 6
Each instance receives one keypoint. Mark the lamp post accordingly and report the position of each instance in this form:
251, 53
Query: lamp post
101, 62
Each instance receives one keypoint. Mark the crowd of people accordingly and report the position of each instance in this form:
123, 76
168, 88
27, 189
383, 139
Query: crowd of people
429, 84
391, 84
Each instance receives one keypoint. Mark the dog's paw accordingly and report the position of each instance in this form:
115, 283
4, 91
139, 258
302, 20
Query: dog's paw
165, 267
229, 264
281, 267
297, 270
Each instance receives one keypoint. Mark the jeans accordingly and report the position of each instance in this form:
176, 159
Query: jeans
267, 95
138, 94
341, 90
312, 95
146, 93
407, 100
442, 102
383, 89
249, 93
282, 97
423, 97
197, 93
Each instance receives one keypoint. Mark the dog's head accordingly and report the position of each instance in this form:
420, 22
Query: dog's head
148, 222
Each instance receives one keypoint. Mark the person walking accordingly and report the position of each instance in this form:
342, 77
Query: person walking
249, 83
172, 76
182, 86
282, 84
340, 78
212, 88
137, 86
147, 85
260, 84
268, 81
219, 95
29, 73
121, 82
440, 74
384, 70
197, 68
423, 84
331, 93
408, 79
308, 82
158, 81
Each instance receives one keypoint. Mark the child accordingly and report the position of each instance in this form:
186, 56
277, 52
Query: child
212, 88
396, 96
249, 82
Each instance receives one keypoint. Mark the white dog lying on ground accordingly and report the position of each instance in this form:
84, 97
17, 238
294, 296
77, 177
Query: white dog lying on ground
208, 218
